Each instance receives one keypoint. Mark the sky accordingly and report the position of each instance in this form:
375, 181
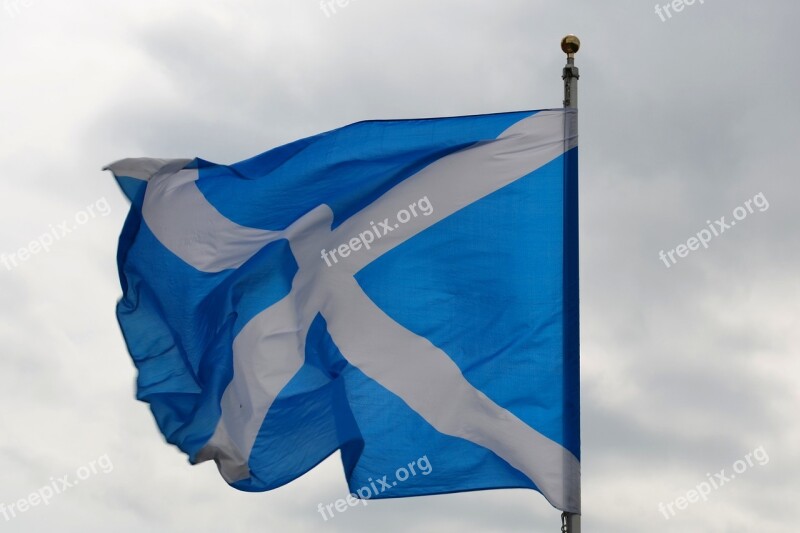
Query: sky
689, 360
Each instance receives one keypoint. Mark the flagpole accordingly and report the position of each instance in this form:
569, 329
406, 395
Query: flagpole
570, 522
570, 45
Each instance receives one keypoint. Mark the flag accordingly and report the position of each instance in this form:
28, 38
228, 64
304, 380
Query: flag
394, 290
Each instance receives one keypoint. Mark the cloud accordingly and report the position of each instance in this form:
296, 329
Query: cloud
685, 369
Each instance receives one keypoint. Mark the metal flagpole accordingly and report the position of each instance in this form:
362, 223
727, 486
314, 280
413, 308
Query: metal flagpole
570, 523
570, 45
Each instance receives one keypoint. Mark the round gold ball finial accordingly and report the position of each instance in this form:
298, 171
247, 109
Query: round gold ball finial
570, 45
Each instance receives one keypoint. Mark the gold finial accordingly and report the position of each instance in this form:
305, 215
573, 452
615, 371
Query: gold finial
570, 45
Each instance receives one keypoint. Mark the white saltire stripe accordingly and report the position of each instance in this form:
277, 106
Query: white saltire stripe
144, 168
432, 385
258, 381
270, 349
458, 180
185, 223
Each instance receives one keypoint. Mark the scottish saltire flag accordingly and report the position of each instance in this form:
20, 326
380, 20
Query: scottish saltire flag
390, 289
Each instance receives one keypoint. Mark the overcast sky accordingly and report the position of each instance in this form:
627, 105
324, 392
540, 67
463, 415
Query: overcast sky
686, 370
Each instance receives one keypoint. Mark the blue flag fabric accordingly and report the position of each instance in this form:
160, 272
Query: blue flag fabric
396, 290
